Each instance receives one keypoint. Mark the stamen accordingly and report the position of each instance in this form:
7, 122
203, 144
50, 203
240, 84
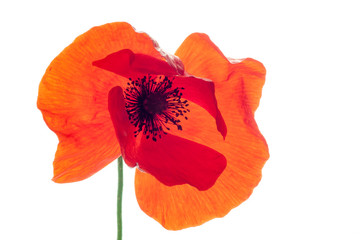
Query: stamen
152, 105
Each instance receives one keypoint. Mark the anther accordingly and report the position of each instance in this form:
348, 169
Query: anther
152, 104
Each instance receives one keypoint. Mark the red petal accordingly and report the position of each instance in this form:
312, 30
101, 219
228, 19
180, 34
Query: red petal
202, 92
147, 64
127, 63
123, 128
174, 161
171, 159
117, 62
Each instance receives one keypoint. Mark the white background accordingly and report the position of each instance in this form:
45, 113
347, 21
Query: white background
309, 114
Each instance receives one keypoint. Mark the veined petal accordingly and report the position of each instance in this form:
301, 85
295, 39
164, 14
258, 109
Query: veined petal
73, 96
170, 159
80, 156
252, 73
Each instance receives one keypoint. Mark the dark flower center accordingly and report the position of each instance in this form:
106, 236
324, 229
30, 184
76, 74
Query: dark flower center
155, 103
152, 105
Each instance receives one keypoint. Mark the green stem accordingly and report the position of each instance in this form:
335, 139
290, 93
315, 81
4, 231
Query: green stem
119, 198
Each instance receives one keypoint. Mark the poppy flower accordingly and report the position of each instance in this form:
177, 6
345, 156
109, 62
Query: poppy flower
185, 121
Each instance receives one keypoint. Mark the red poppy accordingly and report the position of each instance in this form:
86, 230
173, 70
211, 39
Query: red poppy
187, 122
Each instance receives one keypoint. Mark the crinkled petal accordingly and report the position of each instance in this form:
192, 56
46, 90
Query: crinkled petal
238, 90
200, 55
167, 158
202, 58
73, 97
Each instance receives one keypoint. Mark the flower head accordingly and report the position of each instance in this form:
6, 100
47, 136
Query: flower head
187, 121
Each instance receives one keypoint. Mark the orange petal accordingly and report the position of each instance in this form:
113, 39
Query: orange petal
73, 97
202, 58
245, 148
83, 154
